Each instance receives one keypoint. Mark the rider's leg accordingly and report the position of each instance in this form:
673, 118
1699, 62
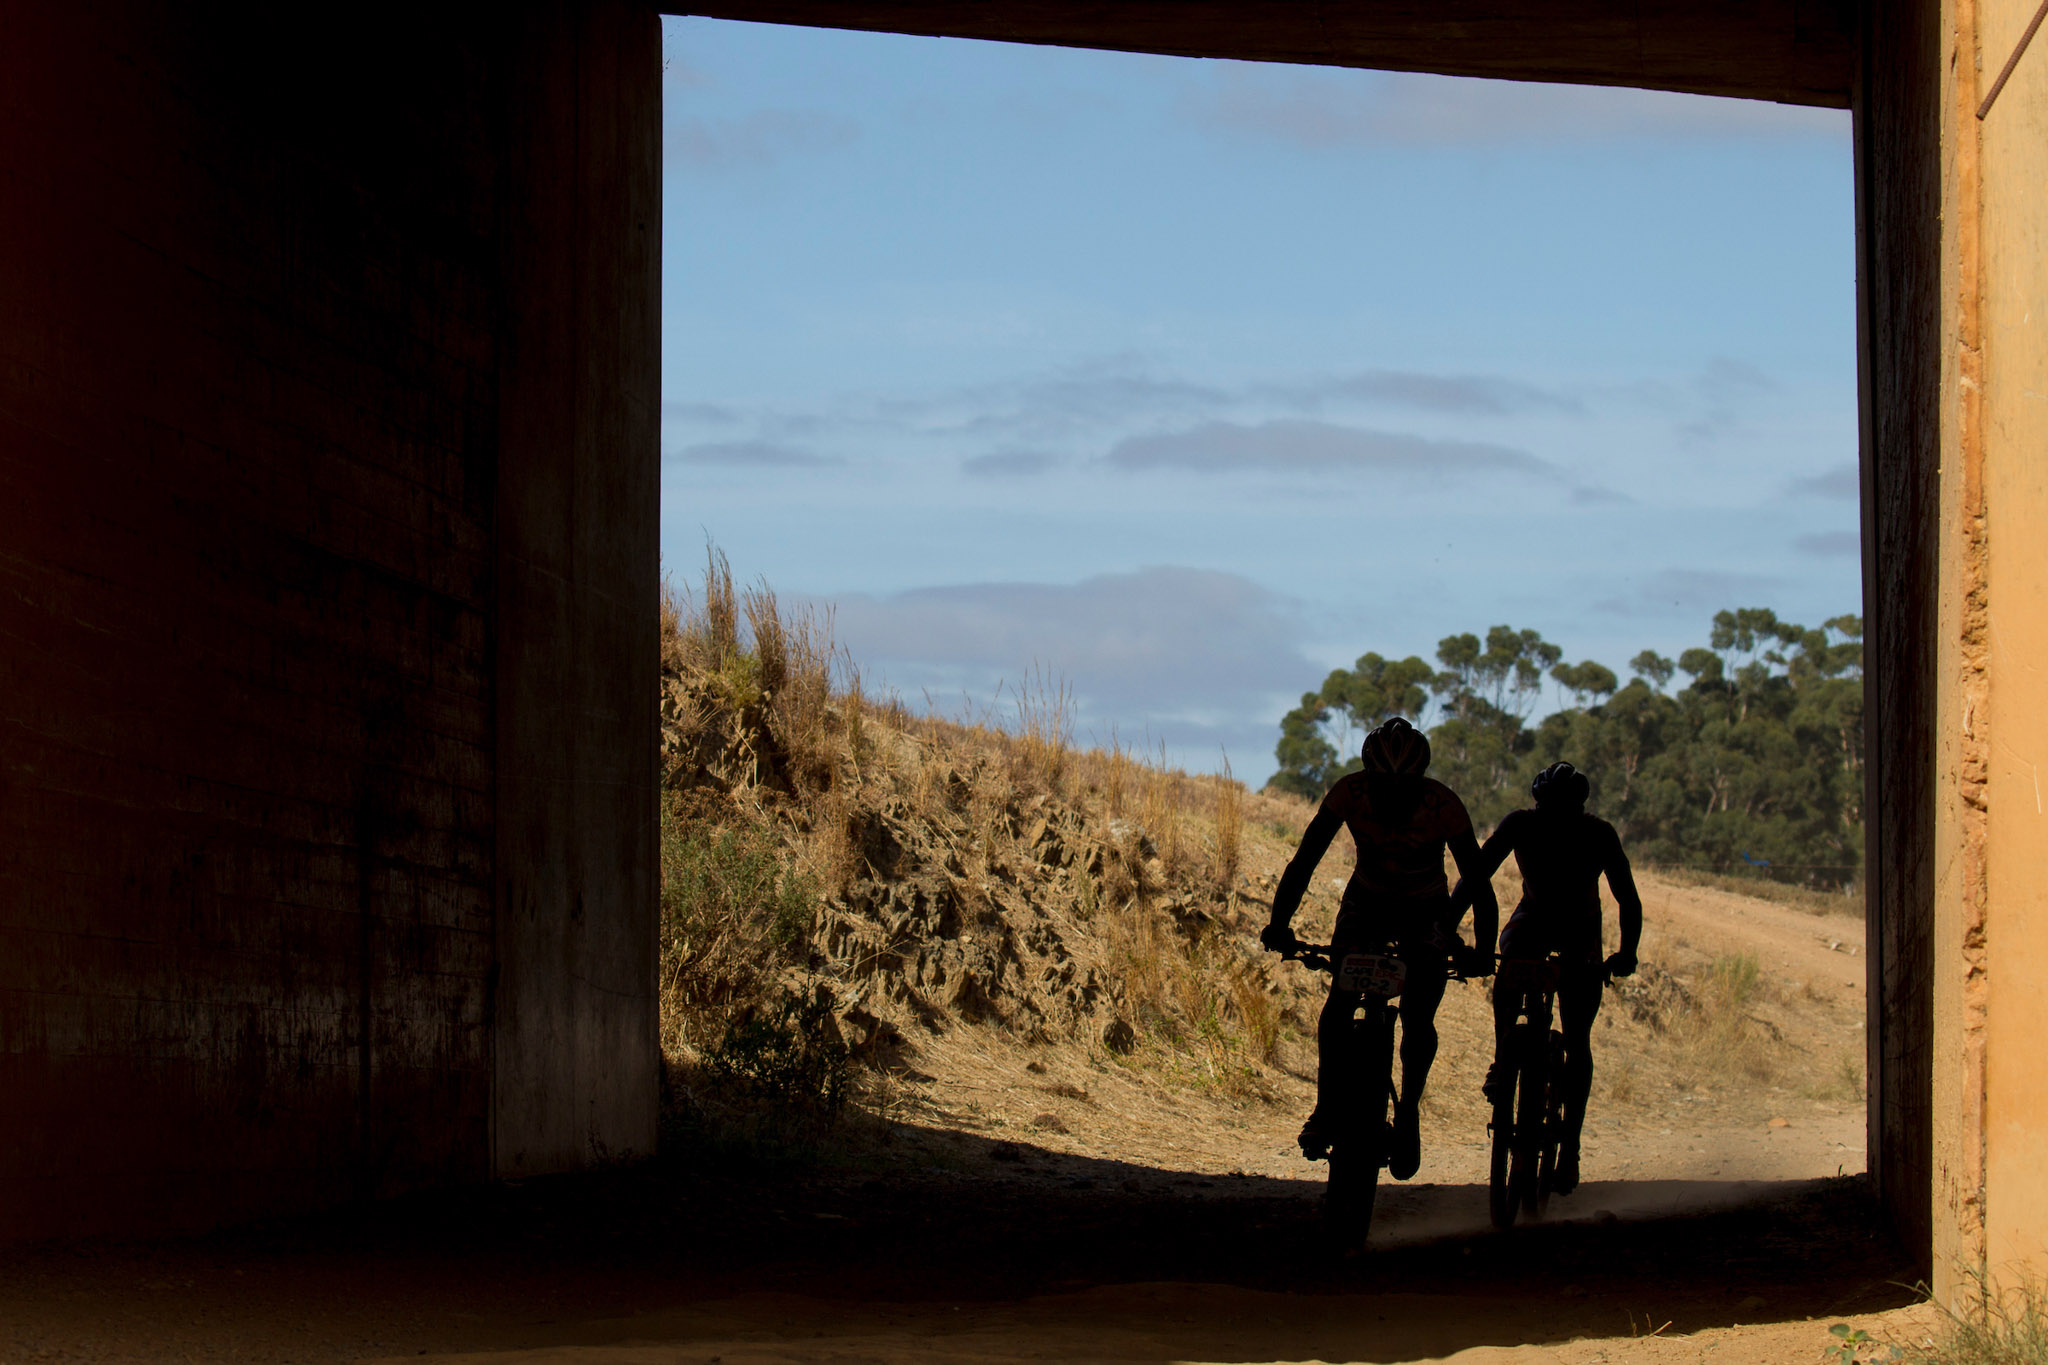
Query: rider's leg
1506, 1005
1419, 1001
1519, 939
1578, 1004
1420, 997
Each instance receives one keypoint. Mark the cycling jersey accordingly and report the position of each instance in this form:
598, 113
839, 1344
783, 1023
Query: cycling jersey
1400, 873
1562, 855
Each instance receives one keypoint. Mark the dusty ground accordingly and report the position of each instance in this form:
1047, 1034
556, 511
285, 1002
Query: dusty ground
665, 1262
1020, 1203
1660, 1112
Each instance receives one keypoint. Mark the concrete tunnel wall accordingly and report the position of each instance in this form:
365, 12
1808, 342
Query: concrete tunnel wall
328, 510
327, 426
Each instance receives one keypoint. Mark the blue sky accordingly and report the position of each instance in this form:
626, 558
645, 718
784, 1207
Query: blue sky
1191, 380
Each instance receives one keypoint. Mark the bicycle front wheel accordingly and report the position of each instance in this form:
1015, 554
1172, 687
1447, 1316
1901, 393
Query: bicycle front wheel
1500, 1194
1361, 1147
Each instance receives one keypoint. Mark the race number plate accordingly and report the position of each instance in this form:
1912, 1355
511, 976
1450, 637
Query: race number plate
1372, 974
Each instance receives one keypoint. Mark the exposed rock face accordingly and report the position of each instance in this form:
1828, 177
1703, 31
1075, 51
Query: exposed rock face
916, 941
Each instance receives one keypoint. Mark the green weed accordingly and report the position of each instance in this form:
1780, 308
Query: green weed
789, 1055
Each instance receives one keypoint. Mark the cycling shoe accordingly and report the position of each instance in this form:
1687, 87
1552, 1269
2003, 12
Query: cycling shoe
1566, 1178
1404, 1154
1314, 1139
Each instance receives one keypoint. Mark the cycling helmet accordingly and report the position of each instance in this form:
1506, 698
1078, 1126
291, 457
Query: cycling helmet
1560, 784
1395, 746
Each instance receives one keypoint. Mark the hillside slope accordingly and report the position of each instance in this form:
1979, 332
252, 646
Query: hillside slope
1056, 948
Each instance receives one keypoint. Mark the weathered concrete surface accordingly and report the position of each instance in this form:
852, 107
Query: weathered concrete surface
327, 566
1793, 51
2007, 972
576, 1056
1899, 197
327, 396
1954, 256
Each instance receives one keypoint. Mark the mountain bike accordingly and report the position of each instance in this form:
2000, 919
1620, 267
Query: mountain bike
1528, 1106
1363, 1097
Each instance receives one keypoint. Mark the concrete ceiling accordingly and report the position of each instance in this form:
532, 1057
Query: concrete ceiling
1792, 51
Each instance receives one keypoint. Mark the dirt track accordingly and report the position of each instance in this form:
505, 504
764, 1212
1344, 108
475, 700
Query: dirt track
659, 1263
1150, 1222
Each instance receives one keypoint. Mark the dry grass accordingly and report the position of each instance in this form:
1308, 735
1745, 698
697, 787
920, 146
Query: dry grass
1044, 733
1229, 854
1848, 901
775, 760
1995, 1321
1709, 1018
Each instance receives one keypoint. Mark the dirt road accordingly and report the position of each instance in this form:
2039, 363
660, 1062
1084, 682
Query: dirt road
1029, 1204
660, 1263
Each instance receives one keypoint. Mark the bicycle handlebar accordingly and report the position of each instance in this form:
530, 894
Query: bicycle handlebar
1322, 957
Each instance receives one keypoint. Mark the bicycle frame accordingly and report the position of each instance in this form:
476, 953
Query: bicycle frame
1364, 1095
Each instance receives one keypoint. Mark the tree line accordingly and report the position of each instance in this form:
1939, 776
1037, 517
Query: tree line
1755, 763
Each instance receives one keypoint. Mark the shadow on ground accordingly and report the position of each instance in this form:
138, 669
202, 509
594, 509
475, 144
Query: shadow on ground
973, 1248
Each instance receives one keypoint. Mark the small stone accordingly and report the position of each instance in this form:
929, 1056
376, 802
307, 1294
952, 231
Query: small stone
1753, 1301
1781, 1123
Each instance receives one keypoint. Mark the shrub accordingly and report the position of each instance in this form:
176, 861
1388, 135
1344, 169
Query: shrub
788, 1055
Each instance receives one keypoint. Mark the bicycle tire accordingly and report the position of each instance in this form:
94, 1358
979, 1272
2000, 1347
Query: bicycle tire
1525, 1176
1553, 1118
1500, 1199
1360, 1150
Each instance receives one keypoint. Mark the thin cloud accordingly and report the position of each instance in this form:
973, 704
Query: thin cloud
1299, 447
1343, 109
1010, 464
756, 139
1726, 390
1585, 495
1669, 590
1160, 640
752, 454
1830, 543
1843, 481
1103, 399
707, 413
1084, 398
1461, 394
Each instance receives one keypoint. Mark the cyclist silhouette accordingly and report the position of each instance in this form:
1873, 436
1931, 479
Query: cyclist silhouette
1401, 821
1562, 852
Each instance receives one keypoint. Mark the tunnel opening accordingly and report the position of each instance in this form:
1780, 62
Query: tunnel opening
331, 405
828, 470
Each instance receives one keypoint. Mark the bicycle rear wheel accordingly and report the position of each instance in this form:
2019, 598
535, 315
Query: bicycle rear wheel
1553, 1119
1525, 1173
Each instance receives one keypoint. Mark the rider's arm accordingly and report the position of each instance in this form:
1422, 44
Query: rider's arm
1621, 881
1314, 842
1475, 882
1492, 854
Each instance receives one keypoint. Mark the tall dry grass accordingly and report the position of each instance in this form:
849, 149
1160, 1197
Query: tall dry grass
1045, 731
775, 755
1719, 1038
1229, 854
